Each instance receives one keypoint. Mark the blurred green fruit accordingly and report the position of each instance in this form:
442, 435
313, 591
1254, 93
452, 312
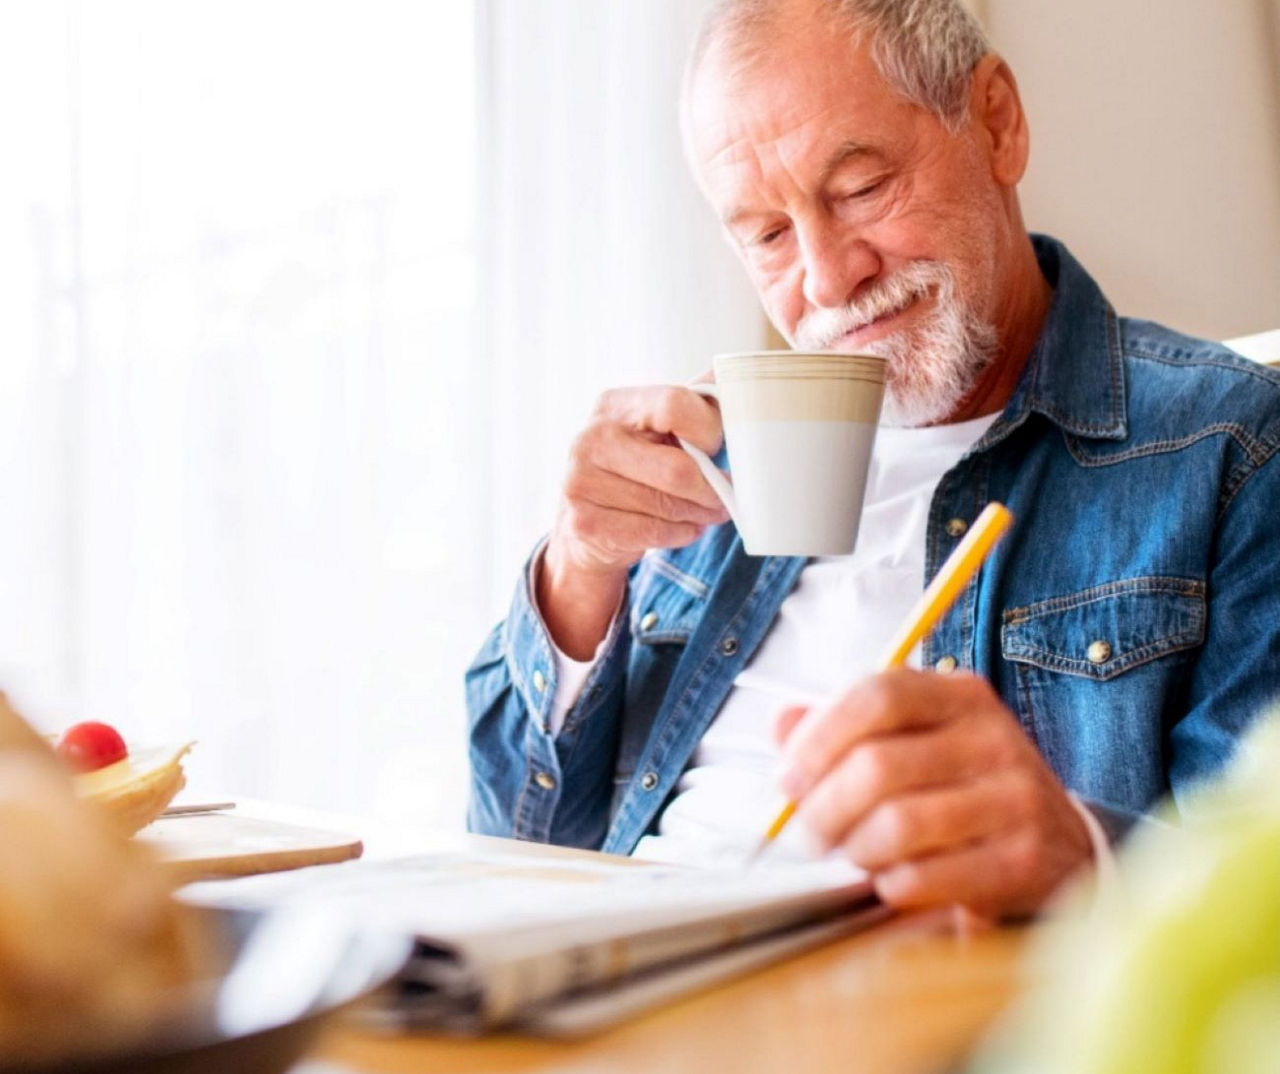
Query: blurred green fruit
1177, 968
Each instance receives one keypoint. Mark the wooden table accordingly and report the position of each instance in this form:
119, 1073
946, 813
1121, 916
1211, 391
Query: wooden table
905, 998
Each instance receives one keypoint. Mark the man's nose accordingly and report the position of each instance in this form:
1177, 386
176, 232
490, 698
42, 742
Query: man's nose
835, 266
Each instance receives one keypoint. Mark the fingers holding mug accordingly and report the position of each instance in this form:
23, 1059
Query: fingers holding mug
669, 410
666, 479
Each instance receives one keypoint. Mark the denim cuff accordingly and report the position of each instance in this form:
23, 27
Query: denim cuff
1104, 858
1116, 823
531, 654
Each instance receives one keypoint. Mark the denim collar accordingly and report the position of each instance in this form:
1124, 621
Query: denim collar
1075, 374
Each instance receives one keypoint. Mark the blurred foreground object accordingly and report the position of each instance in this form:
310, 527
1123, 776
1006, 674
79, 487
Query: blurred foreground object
93, 950
1177, 967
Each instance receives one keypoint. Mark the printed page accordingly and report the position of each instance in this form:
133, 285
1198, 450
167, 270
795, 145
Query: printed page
465, 896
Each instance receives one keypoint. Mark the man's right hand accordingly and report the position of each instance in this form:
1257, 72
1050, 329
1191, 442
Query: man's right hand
630, 488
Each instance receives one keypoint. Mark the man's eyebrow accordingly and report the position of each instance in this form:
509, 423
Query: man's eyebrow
736, 216
845, 152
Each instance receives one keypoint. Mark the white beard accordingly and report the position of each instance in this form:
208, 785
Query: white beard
932, 365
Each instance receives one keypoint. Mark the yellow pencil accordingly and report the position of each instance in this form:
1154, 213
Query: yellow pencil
947, 585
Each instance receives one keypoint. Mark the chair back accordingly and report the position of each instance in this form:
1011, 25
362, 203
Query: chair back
1263, 347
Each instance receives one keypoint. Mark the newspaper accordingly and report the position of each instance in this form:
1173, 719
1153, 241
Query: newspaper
504, 937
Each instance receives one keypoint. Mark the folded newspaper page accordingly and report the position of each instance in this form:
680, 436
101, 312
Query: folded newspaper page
501, 935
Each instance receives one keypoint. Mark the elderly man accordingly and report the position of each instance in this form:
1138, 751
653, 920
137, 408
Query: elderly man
863, 156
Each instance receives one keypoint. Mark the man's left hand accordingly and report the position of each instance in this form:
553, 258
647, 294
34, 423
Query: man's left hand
928, 782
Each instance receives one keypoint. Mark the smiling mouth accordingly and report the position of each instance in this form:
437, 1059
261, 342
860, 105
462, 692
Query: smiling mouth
866, 333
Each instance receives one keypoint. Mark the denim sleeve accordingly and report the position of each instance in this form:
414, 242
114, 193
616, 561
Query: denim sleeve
1237, 675
527, 783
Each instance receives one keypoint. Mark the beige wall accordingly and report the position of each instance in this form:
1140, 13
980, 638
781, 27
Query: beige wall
1156, 149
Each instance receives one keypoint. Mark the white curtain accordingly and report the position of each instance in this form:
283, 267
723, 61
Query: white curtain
603, 265
238, 265
300, 304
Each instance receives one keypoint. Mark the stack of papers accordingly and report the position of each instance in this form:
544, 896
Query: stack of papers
565, 945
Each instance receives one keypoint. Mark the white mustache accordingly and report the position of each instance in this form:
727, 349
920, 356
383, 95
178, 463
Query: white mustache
819, 330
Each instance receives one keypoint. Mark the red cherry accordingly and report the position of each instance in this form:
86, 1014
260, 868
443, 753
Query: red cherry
86, 747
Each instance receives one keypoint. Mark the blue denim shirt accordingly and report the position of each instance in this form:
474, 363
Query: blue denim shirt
1141, 468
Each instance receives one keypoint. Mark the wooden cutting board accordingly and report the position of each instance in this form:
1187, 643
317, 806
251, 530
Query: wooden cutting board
208, 846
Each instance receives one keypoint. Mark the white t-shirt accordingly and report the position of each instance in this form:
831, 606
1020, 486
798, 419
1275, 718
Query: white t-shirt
830, 632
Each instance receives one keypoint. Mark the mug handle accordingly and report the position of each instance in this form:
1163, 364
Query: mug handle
718, 482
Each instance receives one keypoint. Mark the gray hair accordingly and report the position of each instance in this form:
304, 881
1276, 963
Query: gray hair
925, 49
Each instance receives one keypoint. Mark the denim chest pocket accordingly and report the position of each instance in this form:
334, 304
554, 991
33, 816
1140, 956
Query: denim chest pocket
1102, 632
1094, 674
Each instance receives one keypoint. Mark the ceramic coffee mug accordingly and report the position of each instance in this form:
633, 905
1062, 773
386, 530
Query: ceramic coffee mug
799, 429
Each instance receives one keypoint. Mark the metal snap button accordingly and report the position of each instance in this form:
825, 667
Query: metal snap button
946, 665
957, 527
729, 646
539, 681
545, 780
649, 621
649, 780
1099, 652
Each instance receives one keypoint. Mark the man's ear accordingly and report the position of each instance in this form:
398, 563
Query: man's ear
995, 110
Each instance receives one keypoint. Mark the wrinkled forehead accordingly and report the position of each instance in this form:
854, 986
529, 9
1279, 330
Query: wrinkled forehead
802, 100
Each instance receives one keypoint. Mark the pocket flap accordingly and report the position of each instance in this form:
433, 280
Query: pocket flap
1104, 631
667, 603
